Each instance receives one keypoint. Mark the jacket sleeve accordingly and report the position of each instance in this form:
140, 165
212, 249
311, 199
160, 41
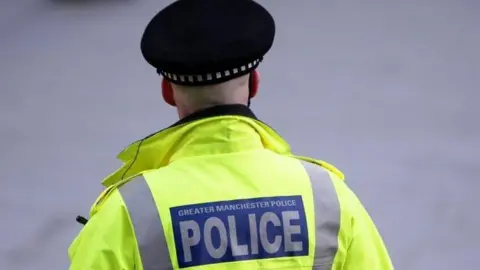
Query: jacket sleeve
107, 241
367, 249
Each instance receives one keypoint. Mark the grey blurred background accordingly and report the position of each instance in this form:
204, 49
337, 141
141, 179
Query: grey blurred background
385, 90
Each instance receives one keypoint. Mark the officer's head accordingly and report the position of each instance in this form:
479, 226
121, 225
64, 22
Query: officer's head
208, 50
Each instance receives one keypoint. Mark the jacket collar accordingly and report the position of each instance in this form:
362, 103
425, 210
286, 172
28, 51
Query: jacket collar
144, 154
220, 110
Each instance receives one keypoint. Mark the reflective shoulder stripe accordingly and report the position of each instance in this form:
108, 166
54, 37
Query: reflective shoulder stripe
147, 225
327, 216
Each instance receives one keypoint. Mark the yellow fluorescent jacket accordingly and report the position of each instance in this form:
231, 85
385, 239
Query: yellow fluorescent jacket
221, 190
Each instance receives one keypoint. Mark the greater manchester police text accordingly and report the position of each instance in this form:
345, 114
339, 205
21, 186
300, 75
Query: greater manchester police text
238, 206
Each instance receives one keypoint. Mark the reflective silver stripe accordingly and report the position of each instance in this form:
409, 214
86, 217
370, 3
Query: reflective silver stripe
146, 224
327, 216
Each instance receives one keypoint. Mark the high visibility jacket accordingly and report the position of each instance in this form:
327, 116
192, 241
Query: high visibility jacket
221, 190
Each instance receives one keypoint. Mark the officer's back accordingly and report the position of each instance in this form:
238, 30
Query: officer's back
220, 189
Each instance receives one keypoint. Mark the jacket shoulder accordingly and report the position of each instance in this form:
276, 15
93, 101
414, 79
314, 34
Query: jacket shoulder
107, 192
329, 167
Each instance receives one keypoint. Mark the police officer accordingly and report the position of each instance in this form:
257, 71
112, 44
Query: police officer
219, 189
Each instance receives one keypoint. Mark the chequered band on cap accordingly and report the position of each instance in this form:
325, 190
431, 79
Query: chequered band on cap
210, 78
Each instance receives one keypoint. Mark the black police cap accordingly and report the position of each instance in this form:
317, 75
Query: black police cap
200, 42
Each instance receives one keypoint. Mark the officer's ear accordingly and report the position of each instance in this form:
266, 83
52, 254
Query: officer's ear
167, 92
254, 82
